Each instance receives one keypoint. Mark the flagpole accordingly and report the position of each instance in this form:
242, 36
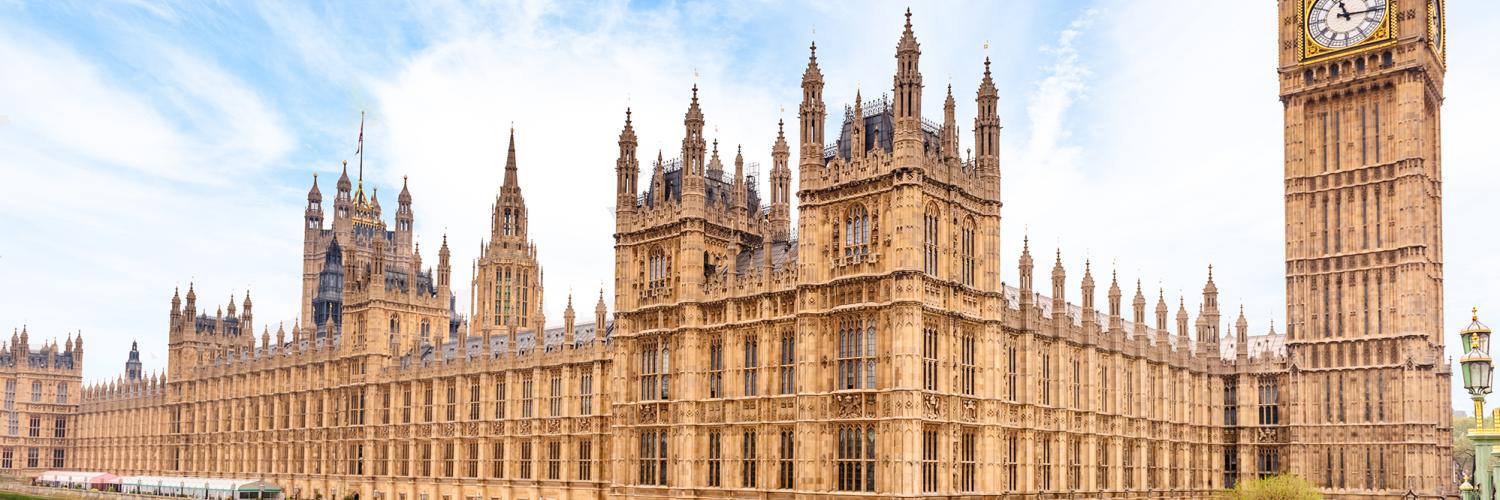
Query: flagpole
361, 148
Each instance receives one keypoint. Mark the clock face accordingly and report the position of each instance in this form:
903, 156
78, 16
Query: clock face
1337, 24
1437, 24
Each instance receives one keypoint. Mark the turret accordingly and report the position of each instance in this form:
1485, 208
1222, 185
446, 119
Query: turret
600, 317
176, 313
1182, 322
1027, 298
1116, 323
812, 116
1059, 301
627, 169
1208, 325
191, 308
856, 121
313, 216
1161, 312
343, 203
1139, 318
444, 270
1090, 320
246, 321
741, 194
1241, 337
908, 94
781, 188
404, 217
693, 152
950, 129
987, 134
568, 317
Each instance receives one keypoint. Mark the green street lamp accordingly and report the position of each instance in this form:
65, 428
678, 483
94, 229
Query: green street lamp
1478, 369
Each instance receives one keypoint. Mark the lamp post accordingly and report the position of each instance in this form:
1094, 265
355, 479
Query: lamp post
1478, 371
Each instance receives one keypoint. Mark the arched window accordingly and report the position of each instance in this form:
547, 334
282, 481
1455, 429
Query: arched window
659, 265
966, 251
856, 232
930, 241
856, 354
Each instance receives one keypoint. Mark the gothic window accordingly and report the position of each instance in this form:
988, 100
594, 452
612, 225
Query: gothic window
1270, 410
855, 465
747, 460
966, 252
929, 460
715, 459
653, 457
1101, 456
1077, 381
526, 394
1012, 451
426, 402
554, 459
784, 467
966, 363
586, 393
788, 361
655, 371
62, 393
451, 402
554, 402
856, 355
1044, 462
500, 396
1267, 463
967, 461
505, 298
716, 367
1231, 402
525, 297
856, 232
525, 459
659, 268
930, 241
1046, 375
585, 460
1010, 373
929, 359
497, 459
1075, 463
752, 364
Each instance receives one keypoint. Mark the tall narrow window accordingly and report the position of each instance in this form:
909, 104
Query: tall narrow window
586, 393
655, 367
929, 359
788, 362
748, 460
1075, 463
855, 464
585, 460
1044, 462
500, 396
966, 363
929, 460
966, 252
1012, 451
554, 401
554, 460
930, 241
1231, 402
715, 459
526, 395
497, 459
1046, 375
526, 459
1010, 373
856, 354
785, 467
716, 367
967, 461
752, 365
653, 457
474, 398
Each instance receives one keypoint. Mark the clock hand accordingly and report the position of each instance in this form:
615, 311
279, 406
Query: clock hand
1345, 13
1372, 9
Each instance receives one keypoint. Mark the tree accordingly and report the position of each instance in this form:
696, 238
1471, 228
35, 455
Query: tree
1280, 487
1463, 448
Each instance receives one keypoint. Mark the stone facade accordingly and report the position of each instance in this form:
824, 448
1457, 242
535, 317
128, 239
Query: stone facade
871, 349
43, 388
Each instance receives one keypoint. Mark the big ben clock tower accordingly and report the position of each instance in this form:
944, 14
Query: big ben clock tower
1362, 88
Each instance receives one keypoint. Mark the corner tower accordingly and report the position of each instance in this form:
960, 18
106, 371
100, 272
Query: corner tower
507, 279
1361, 91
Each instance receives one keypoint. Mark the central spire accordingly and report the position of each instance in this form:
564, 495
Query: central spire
510, 161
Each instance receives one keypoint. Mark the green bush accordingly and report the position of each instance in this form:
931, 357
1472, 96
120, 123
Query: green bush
1282, 487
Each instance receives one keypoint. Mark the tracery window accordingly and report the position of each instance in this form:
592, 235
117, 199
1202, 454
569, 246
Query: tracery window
752, 364
966, 363
966, 252
554, 402
855, 465
655, 371
929, 460
748, 460
856, 232
788, 361
856, 355
659, 267
715, 459
929, 359
653, 457
586, 393
716, 367
930, 241
968, 460
526, 395
784, 467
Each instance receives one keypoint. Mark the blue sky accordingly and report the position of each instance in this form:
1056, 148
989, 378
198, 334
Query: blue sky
146, 145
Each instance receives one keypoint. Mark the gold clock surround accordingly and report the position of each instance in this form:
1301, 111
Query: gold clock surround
1384, 35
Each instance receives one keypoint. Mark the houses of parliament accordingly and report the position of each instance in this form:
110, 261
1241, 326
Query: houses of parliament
862, 346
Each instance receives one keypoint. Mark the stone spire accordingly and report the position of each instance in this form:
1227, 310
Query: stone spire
1089, 315
987, 133
627, 168
812, 115
1115, 322
1059, 302
1241, 336
950, 127
1161, 311
510, 162
908, 93
781, 187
